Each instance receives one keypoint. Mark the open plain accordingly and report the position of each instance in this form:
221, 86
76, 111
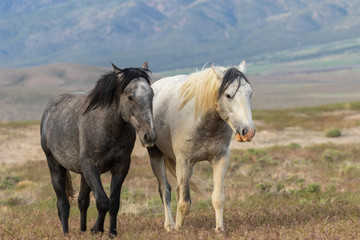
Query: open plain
291, 182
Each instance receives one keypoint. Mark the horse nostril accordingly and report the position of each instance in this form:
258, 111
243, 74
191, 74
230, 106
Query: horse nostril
150, 137
244, 131
146, 137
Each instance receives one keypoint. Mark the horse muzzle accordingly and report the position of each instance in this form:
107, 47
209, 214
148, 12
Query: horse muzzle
245, 135
148, 139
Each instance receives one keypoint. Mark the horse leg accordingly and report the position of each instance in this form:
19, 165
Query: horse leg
58, 175
83, 202
118, 174
158, 167
218, 198
183, 175
92, 178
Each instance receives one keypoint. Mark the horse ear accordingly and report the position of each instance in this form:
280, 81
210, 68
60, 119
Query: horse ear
145, 65
242, 66
116, 69
219, 73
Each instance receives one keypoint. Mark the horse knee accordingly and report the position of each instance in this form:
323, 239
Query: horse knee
114, 207
218, 201
83, 203
103, 205
185, 207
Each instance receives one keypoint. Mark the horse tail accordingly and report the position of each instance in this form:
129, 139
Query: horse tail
196, 183
69, 189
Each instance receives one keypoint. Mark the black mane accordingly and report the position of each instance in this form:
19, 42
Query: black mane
108, 88
230, 76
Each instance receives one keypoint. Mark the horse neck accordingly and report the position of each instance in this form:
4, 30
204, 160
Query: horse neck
213, 125
112, 117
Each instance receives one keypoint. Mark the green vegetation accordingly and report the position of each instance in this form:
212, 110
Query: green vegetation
294, 146
332, 155
333, 132
313, 188
8, 182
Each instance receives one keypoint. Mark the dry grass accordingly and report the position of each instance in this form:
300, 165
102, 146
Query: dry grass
279, 192
283, 192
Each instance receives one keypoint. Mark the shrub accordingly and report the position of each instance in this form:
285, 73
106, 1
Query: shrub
313, 188
8, 182
350, 171
266, 161
333, 132
264, 187
331, 188
293, 145
279, 186
294, 179
332, 155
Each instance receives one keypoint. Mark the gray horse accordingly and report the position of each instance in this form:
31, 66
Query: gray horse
94, 133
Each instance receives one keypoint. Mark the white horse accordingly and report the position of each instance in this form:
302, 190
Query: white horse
194, 117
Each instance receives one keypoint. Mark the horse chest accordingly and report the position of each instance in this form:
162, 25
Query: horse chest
208, 149
210, 139
109, 149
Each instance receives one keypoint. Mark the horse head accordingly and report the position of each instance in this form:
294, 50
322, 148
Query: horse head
234, 101
136, 102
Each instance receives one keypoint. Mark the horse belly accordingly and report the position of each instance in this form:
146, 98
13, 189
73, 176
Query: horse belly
65, 149
68, 157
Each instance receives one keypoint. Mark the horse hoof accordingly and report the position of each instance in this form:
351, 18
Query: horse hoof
112, 234
96, 231
169, 227
177, 228
219, 230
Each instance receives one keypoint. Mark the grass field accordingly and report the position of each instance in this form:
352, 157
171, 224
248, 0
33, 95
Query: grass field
280, 192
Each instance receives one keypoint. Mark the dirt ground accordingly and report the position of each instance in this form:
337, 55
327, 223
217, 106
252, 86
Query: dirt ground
19, 145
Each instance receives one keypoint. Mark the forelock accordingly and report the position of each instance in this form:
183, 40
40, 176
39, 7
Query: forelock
230, 76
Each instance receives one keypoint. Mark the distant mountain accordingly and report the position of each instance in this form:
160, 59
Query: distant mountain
170, 34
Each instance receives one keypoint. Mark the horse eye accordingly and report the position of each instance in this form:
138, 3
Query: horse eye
130, 98
228, 96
